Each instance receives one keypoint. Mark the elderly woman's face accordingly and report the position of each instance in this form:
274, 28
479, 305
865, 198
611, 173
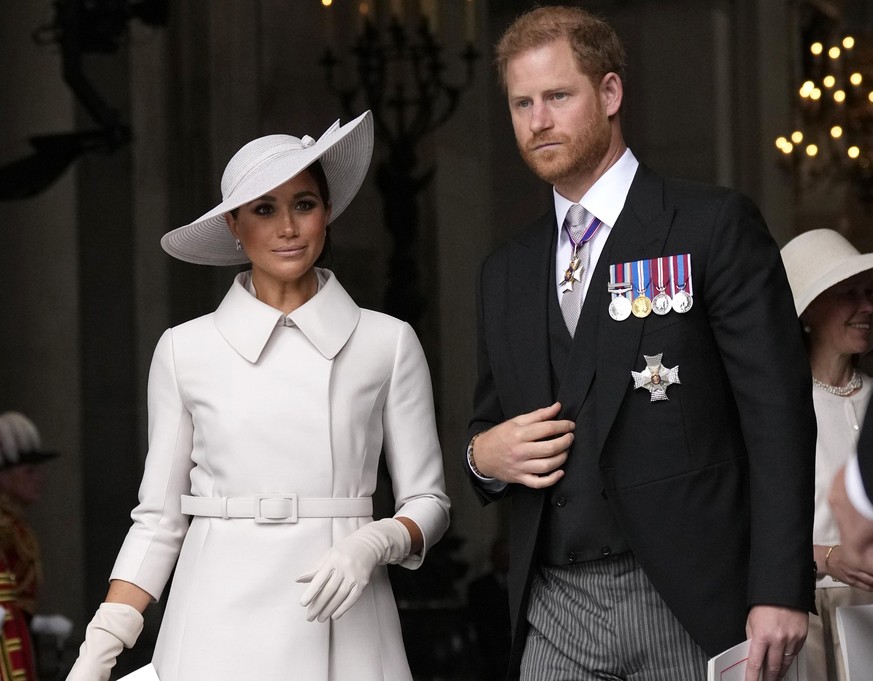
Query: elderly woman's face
840, 318
283, 231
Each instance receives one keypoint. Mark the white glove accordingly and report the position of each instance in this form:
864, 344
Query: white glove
115, 626
344, 571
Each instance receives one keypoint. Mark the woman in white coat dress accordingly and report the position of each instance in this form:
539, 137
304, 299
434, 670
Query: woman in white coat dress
266, 423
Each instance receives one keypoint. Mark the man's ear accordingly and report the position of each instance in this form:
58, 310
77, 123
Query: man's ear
611, 93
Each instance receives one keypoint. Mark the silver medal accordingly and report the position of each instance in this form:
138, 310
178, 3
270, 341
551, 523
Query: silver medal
682, 301
620, 308
661, 304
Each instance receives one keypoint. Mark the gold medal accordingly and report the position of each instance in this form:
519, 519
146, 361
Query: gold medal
641, 306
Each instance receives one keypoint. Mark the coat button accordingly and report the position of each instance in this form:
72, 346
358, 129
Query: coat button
605, 550
560, 502
603, 494
571, 557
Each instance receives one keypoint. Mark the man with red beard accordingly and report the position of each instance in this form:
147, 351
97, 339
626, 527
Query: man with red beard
643, 398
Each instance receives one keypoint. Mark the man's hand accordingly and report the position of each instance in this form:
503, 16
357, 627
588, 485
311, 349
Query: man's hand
776, 634
856, 531
528, 449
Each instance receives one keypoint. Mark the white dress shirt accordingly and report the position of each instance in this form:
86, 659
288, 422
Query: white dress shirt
604, 200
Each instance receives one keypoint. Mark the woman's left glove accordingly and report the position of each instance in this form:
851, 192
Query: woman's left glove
115, 626
344, 571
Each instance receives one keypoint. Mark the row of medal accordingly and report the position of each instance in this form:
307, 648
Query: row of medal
659, 285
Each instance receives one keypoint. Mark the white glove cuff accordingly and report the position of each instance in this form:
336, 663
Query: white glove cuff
399, 540
119, 619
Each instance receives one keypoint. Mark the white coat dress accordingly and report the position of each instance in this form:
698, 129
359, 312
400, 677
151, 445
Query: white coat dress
242, 403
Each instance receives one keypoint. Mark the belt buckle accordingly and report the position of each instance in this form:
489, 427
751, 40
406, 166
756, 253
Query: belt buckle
272, 517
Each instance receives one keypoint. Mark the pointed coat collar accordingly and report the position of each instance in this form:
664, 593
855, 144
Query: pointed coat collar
327, 319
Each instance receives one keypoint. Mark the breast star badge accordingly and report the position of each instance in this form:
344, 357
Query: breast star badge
656, 377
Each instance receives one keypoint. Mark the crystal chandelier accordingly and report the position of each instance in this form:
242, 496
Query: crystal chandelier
833, 108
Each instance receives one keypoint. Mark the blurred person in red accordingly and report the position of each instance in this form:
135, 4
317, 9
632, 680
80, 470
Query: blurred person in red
21, 485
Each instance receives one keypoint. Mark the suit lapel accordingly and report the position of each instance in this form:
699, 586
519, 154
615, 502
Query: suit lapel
603, 346
641, 232
580, 365
529, 284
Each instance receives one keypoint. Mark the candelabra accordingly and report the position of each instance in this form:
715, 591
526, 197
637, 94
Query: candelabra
80, 27
399, 74
833, 139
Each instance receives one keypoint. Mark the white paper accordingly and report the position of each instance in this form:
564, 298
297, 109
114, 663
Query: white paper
146, 673
855, 629
731, 665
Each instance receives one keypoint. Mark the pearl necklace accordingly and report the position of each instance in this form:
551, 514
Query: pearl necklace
840, 390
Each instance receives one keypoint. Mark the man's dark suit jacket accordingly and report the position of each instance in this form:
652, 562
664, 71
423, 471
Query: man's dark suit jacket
712, 488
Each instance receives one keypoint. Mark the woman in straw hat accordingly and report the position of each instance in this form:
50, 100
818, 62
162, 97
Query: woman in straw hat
832, 285
266, 423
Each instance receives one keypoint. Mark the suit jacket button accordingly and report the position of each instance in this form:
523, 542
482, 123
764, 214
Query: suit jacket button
572, 557
603, 494
605, 550
560, 502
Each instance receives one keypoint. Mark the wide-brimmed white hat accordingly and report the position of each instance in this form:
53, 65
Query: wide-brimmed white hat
265, 163
818, 259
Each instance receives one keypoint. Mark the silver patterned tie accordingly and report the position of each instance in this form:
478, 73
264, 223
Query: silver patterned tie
571, 299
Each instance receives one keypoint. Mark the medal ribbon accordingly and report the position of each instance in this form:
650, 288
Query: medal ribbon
660, 286
684, 265
620, 283
616, 278
643, 278
587, 235
627, 278
686, 259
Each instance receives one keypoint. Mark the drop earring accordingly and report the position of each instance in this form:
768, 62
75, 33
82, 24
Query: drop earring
238, 245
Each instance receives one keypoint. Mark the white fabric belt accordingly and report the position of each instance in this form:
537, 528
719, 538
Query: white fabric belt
276, 508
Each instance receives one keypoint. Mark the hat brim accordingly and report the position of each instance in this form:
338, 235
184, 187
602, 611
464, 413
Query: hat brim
30, 458
344, 152
844, 270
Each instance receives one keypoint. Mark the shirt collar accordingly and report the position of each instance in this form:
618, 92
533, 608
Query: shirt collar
605, 199
327, 319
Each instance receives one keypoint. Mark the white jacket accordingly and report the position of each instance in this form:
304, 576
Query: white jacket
241, 404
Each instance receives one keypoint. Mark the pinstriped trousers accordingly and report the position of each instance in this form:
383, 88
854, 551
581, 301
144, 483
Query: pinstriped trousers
603, 621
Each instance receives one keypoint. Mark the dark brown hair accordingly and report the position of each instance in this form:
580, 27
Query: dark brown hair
317, 172
596, 45
320, 178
